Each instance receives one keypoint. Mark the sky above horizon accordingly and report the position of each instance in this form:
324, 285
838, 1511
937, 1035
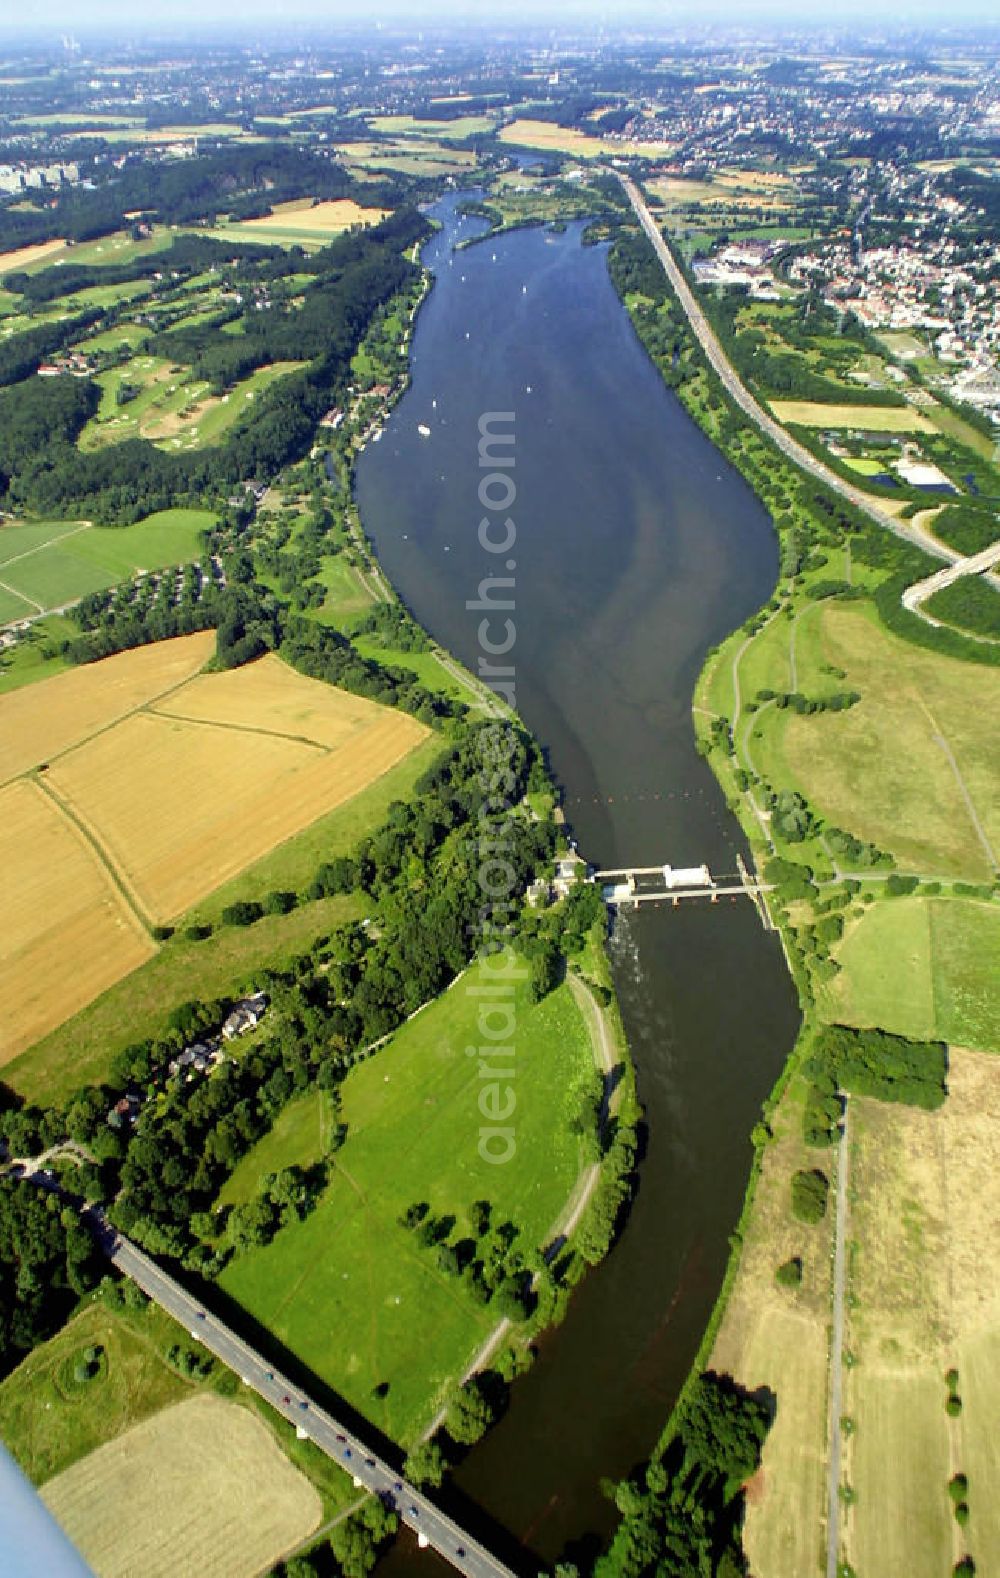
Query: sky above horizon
38, 16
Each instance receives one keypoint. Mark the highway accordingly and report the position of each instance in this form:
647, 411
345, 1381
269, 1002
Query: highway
354, 1456
745, 400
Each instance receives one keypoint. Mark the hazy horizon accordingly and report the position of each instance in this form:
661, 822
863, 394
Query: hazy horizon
175, 17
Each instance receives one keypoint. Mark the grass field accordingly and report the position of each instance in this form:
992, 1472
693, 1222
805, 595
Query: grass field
550, 138
924, 968
140, 1003
348, 1290
172, 409
925, 1200
49, 1420
441, 131
54, 562
184, 796
777, 1338
36, 654
735, 190
879, 769
68, 934
866, 418
180, 1494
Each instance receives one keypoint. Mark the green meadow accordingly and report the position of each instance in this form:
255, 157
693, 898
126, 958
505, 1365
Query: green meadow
349, 1290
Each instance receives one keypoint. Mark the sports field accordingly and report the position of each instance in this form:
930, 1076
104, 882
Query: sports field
172, 409
151, 793
866, 418
200, 1487
50, 563
349, 1290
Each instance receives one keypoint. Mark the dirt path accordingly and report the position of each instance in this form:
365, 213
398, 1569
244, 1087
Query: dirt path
571, 1213
981, 833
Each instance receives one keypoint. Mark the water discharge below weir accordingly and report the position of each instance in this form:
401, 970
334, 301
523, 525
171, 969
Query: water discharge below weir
637, 548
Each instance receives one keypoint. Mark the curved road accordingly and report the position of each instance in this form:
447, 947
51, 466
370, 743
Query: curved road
746, 402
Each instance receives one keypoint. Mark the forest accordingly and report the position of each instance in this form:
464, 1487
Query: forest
42, 471
241, 180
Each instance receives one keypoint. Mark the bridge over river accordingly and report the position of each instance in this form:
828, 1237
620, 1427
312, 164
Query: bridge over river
623, 886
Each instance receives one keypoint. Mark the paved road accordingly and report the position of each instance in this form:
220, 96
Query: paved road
837, 1355
428, 1522
975, 564
761, 419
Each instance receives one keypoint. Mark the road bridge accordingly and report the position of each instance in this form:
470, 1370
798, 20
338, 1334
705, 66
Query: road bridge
342, 1443
975, 564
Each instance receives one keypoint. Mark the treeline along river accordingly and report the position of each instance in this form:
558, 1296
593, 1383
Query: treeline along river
637, 548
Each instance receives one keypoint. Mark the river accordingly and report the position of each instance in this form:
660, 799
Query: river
637, 548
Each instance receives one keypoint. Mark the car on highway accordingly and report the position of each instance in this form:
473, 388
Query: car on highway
341, 1438
303, 1402
286, 1399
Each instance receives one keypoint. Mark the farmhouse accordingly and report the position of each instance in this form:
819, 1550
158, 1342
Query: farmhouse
246, 1015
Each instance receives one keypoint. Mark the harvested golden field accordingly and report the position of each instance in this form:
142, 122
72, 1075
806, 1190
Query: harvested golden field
776, 1337
924, 1298
37, 724
326, 218
157, 786
68, 934
278, 701
199, 1488
546, 135
182, 801
865, 418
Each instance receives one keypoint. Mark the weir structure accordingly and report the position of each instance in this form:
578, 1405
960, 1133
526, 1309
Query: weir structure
625, 886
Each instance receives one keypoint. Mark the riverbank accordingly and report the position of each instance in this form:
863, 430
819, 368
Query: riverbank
842, 748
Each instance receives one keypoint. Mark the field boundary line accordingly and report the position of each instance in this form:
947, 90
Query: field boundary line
970, 807
152, 708
69, 813
22, 597
42, 546
105, 728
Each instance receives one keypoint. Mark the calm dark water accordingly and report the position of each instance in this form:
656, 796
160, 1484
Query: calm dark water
637, 548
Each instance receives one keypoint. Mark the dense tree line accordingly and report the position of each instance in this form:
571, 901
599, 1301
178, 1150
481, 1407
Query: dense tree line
323, 653
42, 470
47, 1260
243, 180
683, 1518
869, 1063
422, 871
